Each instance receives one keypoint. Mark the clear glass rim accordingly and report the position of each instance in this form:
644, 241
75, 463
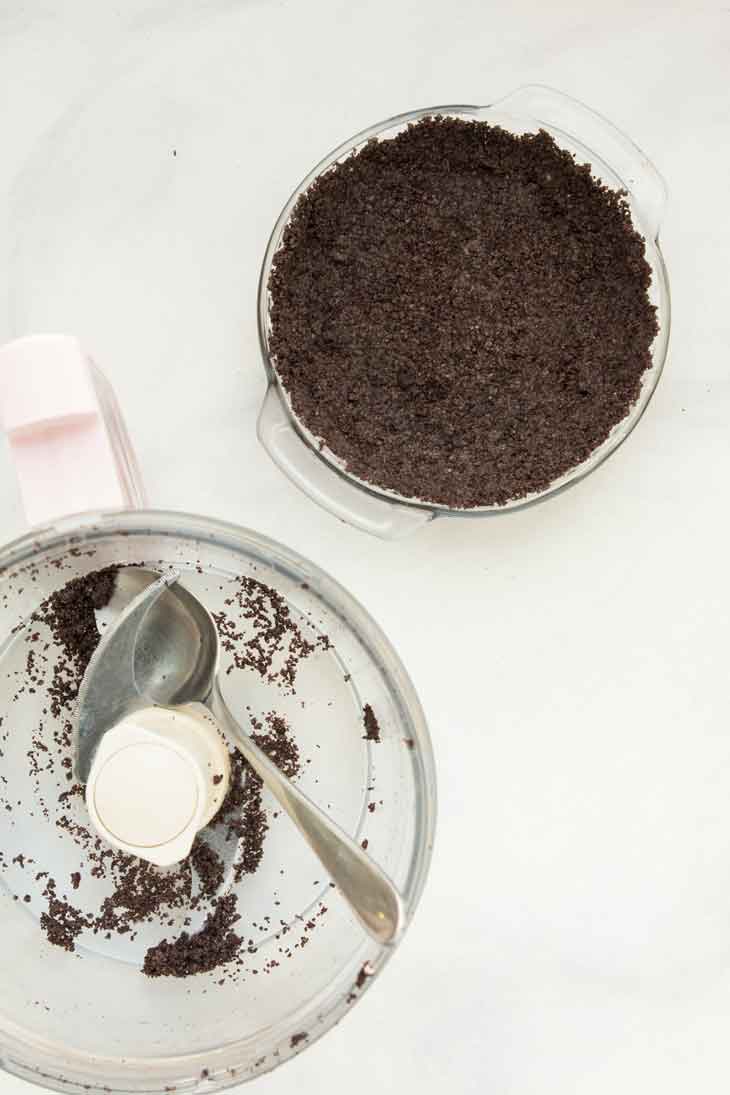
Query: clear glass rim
37, 1060
620, 431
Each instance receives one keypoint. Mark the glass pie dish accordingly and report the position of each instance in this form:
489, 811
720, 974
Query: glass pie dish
616, 162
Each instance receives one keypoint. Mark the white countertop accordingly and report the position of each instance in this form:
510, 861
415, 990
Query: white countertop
572, 659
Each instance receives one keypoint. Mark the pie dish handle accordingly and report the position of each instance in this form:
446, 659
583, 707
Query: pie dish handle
67, 438
633, 167
307, 471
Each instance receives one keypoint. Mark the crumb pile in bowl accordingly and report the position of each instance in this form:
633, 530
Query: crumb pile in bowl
459, 314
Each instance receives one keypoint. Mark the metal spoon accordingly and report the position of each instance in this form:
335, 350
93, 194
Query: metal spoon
164, 649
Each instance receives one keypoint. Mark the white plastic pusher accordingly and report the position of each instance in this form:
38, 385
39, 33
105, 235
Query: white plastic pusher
158, 777
162, 773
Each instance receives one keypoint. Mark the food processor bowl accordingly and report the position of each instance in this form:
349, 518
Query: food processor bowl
88, 1018
616, 161
91, 1019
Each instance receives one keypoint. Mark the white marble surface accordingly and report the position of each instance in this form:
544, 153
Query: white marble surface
572, 660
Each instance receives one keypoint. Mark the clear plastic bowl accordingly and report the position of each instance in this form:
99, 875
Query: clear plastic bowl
616, 161
91, 1020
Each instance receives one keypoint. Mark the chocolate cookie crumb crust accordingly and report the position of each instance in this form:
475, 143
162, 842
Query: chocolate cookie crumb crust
461, 315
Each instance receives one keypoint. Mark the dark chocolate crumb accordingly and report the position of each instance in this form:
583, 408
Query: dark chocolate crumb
209, 866
214, 945
372, 726
365, 972
69, 613
277, 645
63, 923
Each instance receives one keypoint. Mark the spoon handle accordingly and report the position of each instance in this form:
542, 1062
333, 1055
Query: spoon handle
371, 895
